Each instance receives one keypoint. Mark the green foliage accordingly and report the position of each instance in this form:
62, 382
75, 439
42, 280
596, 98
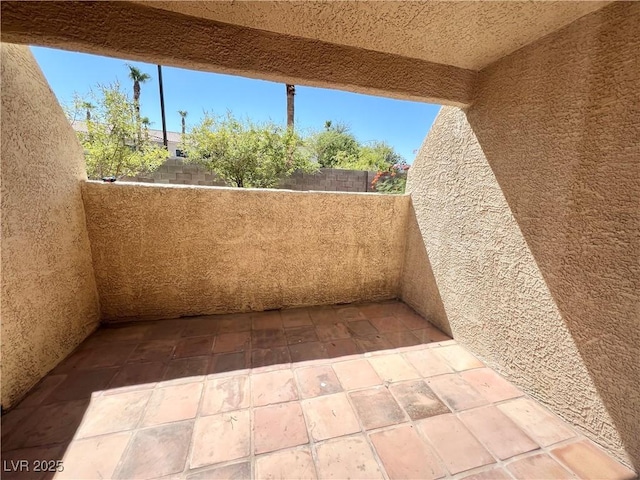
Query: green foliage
333, 145
337, 147
112, 144
246, 154
392, 180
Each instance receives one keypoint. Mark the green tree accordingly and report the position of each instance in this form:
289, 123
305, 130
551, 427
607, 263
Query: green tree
246, 154
112, 144
136, 75
183, 115
374, 157
335, 144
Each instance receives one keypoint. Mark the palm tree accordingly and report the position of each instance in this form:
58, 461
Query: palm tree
291, 91
146, 123
183, 115
138, 77
88, 106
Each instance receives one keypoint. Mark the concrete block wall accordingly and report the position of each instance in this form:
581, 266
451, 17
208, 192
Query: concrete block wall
176, 171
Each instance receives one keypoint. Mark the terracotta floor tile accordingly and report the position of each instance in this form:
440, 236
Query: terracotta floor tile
456, 393
186, 368
412, 320
93, 457
297, 317
427, 363
270, 356
323, 315
330, 416
105, 355
41, 391
430, 334
268, 338
373, 343
388, 324
232, 342
234, 323
377, 408
303, 352
156, 452
201, 326
172, 404
349, 457
417, 399
542, 426
220, 438
491, 385
362, 328
11, 469
393, 368
405, 455
166, 330
138, 374
341, 348
273, 387
356, 374
193, 347
235, 471
458, 357
316, 381
332, 331
121, 334
228, 362
589, 462
114, 413
13, 419
81, 385
349, 314
377, 310
278, 426
456, 446
497, 432
538, 466
266, 321
296, 463
402, 339
496, 473
153, 351
226, 394
304, 334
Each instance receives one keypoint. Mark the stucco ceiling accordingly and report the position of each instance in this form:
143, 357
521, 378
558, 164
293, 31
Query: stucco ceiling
464, 34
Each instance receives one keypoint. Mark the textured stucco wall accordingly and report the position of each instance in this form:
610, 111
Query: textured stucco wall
162, 251
49, 297
529, 207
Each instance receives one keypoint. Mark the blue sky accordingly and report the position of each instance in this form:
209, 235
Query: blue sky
402, 124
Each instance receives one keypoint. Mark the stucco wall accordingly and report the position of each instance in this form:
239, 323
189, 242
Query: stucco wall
529, 208
168, 251
49, 298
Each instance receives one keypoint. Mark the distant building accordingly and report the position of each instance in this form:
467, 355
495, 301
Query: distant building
173, 138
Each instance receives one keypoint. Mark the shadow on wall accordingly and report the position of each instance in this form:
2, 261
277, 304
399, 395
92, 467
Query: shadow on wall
418, 286
529, 207
536, 272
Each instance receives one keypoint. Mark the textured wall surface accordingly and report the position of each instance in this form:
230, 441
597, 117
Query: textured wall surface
49, 298
136, 32
465, 34
172, 251
529, 208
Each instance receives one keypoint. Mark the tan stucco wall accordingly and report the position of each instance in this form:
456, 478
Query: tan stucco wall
529, 208
49, 297
163, 251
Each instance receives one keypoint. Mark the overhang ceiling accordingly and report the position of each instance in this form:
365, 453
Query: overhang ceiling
469, 35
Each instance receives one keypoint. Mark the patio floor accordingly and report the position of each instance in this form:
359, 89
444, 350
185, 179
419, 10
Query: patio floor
358, 391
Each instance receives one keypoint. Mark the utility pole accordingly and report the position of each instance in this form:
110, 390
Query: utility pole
164, 122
